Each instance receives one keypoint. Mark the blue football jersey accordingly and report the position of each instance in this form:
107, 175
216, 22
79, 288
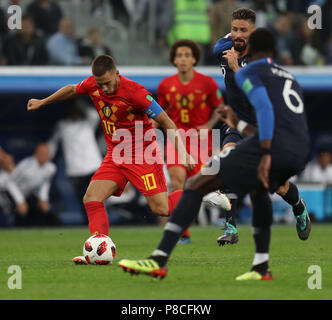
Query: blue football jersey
278, 101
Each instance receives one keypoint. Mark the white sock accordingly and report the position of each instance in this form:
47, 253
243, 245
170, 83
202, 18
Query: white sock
260, 258
158, 252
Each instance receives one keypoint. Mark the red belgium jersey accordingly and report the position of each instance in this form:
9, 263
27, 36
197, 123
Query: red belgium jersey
189, 105
122, 110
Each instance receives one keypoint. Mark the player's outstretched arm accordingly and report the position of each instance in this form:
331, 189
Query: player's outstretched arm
66, 92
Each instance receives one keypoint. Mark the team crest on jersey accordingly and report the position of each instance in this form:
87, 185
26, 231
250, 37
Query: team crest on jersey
107, 111
184, 101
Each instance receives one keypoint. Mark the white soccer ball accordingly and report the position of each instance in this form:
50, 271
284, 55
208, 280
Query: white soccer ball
99, 249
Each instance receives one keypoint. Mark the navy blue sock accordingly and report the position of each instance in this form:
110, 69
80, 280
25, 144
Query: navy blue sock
293, 198
262, 220
231, 215
181, 218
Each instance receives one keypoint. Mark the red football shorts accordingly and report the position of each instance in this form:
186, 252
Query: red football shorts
149, 179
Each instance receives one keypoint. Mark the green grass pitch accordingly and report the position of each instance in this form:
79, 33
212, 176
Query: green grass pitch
201, 270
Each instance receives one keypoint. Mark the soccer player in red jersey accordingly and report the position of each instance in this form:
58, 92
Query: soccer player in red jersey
189, 98
133, 155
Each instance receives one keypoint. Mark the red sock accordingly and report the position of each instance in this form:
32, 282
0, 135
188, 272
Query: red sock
98, 219
186, 233
173, 200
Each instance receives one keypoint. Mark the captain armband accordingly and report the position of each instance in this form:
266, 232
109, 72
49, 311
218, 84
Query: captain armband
153, 110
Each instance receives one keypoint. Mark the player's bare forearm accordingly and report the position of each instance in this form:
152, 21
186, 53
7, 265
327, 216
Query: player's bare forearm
66, 92
171, 129
165, 121
172, 133
212, 121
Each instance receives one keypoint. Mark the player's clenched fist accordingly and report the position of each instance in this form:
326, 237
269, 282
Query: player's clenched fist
34, 104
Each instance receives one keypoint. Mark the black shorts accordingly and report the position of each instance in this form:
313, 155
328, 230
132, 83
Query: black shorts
238, 167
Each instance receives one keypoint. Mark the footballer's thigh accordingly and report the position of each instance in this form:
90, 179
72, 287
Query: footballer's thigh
100, 190
178, 175
149, 179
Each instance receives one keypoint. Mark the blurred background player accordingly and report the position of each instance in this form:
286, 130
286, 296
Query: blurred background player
319, 170
274, 152
92, 45
232, 54
62, 46
77, 136
28, 184
189, 98
7, 165
122, 105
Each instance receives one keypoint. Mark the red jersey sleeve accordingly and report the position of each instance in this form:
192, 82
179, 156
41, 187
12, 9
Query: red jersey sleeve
83, 86
140, 97
215, 96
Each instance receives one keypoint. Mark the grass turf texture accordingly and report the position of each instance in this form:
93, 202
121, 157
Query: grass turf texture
201, 270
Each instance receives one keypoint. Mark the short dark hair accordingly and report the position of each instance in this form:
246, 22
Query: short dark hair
262, 40
244, 14
185, 43
101, 64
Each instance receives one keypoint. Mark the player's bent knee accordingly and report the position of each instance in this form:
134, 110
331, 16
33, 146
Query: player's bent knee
282, 190
88, 197
203, 184
160, 211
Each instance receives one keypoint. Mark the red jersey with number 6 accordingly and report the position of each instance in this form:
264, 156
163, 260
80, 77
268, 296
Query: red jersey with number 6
189, 105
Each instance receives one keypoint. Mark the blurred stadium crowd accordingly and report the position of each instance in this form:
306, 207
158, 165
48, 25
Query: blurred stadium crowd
72, 32
135, 32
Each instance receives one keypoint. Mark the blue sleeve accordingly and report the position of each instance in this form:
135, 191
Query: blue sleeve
222, 45
249, 81
153, 110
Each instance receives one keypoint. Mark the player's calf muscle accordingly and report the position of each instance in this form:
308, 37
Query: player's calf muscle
159, 204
